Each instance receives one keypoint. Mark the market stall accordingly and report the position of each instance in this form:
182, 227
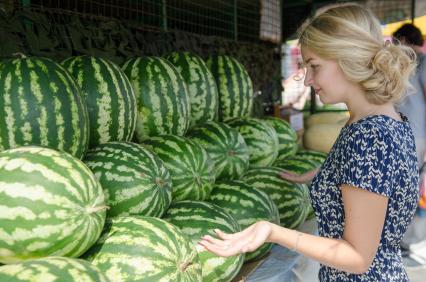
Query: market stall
130, 129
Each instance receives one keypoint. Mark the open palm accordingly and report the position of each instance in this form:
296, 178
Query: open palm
247, 240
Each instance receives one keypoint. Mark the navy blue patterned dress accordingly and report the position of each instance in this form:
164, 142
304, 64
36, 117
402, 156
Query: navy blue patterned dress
376, 153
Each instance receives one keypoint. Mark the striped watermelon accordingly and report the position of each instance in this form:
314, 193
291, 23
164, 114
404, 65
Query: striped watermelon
301, 164
202, 89
196, 219
287, 137
162, 97
225, 146
41, 104
110, 99
52, 269
247, 205
234, 85
190, 166
292, 199
138, 248
297, 165
50, 204
261, 139
314, 156
135, 180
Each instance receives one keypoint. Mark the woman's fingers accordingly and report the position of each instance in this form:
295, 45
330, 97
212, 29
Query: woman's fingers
224, 235
217, 242
231, 244
223, 250
293, 177
234, 236
287, 175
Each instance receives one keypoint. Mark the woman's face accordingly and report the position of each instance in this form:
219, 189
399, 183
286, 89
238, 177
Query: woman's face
327, 79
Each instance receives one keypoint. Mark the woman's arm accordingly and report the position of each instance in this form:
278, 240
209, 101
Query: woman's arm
364, 219
299, 178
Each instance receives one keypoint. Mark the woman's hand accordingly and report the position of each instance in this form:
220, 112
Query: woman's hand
299, 178
247, 240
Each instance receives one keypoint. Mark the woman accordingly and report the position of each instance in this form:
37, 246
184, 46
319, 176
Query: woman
366, 192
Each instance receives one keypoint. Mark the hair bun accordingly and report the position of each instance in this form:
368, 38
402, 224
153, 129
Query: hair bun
390, 63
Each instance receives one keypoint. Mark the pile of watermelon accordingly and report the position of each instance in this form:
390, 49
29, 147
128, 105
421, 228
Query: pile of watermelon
112, 173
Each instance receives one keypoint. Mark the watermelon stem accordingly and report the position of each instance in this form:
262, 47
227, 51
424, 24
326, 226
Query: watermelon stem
183, 266
97, 209
160, 182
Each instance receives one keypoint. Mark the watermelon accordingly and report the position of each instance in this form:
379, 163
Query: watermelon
110, 99
303, 162
41, 104
52, 269
225, 146
297, 165
287, 137
50, 205
234, 85
261, 139
139, 248
314, 156
292, 199
162, 97
196, 219
202, 89
247, 205
134, 179
190, 166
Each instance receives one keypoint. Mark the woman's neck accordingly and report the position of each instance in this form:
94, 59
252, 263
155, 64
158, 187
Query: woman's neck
360, 109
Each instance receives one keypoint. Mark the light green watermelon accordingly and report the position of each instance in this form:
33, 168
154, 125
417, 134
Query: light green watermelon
137, 248
234, 85
196, 219
52, 269
287, 137
190, 166
110, 99
41, 104
292, 199
162, 97
134, 179
50, 204
225, 146
261, 139
202, 89
247, 205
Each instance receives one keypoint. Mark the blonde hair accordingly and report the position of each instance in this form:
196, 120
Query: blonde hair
351, 35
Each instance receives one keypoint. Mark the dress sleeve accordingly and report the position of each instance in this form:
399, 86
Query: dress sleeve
368, 161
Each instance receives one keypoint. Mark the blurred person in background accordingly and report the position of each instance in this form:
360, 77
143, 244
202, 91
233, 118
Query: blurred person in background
414, 107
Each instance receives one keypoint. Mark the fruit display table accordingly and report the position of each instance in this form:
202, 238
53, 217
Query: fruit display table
276, 267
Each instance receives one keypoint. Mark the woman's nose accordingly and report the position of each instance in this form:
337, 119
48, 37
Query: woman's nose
308, 79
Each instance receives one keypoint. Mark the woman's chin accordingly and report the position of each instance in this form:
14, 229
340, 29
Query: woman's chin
324, 100
328, 101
